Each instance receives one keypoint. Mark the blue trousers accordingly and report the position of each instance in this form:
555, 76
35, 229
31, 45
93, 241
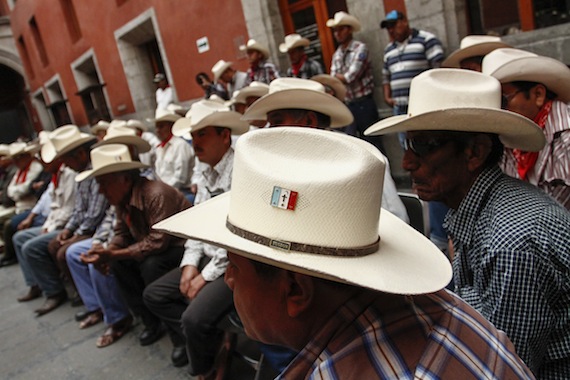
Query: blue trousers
31, 242
98, 291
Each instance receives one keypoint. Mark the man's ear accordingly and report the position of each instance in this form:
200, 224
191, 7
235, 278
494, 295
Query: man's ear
300, 293
478, 151
538, 92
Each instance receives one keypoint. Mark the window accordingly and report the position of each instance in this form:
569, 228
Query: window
91, 87
58, 106
71, 21
39, 42
25, 57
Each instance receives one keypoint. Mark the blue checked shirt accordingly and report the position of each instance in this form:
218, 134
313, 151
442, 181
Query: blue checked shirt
512, 264
89, 208
431, 336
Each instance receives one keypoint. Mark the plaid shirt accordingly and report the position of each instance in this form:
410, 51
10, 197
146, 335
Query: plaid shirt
354, 63
89, 208
432, 336
512, 264
265, 72
310, 68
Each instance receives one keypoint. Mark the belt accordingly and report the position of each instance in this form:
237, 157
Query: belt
361, 99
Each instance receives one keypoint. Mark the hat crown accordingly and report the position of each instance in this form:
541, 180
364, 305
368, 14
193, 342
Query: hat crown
166, 115
342, 18
500, 57
17, 148
204, 108
255, 88
136, 124
109, 154
314, 164
119, 130
64, 136
473, 40
439, 89
282, 84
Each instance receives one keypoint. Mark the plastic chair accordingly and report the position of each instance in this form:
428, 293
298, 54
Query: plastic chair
417, 212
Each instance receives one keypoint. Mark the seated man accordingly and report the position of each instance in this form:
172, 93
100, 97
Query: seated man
233, 79
361, 304
136, 255
511, 241
192, 299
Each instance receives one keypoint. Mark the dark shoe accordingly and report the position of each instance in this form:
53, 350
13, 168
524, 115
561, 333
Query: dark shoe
33, 293
81, 315
10, 261
151, 334
179, 357
52, 303
76, 301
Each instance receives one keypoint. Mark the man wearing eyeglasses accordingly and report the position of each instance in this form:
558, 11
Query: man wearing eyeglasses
511, 241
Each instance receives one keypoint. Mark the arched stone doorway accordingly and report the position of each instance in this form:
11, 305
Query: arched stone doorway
14, 116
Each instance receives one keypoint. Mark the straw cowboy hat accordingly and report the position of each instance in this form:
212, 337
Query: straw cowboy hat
101, 125
293, 41
297, 93
18, 148
461, 100
110, 158
124, 135
136, 125
219, 68
165, 115
206, 113
473, 46
4, 150
342, 18
511, 65
334, 83
284, 210
254, 45
63, 140
255, 88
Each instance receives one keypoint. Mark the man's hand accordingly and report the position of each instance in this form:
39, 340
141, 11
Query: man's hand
196, 285
26, 223
63, 236
99, 257
189, 272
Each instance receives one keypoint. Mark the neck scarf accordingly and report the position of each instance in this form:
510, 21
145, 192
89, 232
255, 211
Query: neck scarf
22, 174
163, 143
297, 66
527, 160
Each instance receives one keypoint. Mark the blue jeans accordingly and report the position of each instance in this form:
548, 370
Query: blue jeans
31, 240
400, 110
97, 290
365, 114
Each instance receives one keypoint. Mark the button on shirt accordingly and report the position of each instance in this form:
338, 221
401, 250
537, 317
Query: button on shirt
512, 264
354, 63
211, 182
432, 336
175, 163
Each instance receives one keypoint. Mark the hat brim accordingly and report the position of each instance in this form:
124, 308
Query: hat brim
142, 145
49, 153
552, 73
406, 262
301, 99
217, 119
111, 168
515, 131
303, 42
338, 87
482, 49
221, 70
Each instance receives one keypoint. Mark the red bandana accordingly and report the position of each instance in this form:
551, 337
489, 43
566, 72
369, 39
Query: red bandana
163, 143
527, 160
297, 66
22, 174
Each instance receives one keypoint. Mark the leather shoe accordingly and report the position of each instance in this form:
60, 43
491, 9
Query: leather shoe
52, 303
33, 293
76, 301
179, 357
81, 315
150, 335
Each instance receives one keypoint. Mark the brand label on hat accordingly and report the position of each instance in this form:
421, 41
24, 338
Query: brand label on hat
284, 198
283, 245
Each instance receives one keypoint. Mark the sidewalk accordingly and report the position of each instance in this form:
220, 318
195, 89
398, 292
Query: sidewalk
53, 347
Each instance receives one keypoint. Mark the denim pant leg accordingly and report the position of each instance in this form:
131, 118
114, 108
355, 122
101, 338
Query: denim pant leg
109, 296
45, 269
19, 239
80, 273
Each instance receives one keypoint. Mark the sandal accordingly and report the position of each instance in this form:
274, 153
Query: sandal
114, 332
92, 319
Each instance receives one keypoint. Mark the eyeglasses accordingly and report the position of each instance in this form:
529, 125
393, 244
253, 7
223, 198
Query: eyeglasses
506, 99
423, 147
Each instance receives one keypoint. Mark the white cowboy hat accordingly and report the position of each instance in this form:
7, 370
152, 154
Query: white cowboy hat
334, 83
511, 65
63, 140
461, 100
254, 45
473, 46
18, 147
297, 93
342, 18
101, 125
293, 41
284, 210
109, 158
255, 88
165, 115
136, 125
4, 150
124, 135
206, 113
219, 68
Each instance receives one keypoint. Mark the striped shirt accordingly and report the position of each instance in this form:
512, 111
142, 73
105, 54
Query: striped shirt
512, 264
354, 63
431, 336
404, 60
551, 172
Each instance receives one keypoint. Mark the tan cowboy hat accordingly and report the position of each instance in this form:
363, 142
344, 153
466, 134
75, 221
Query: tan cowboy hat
107, 159
124, 135
205, 113
284, 210
511, 65
18, 148
293, 41
334, 83
461, 100
101, 125
219, 68
473, 46
297, 93
165, 115
63, 140
342, 18
255, 88
254, 45
136, 125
